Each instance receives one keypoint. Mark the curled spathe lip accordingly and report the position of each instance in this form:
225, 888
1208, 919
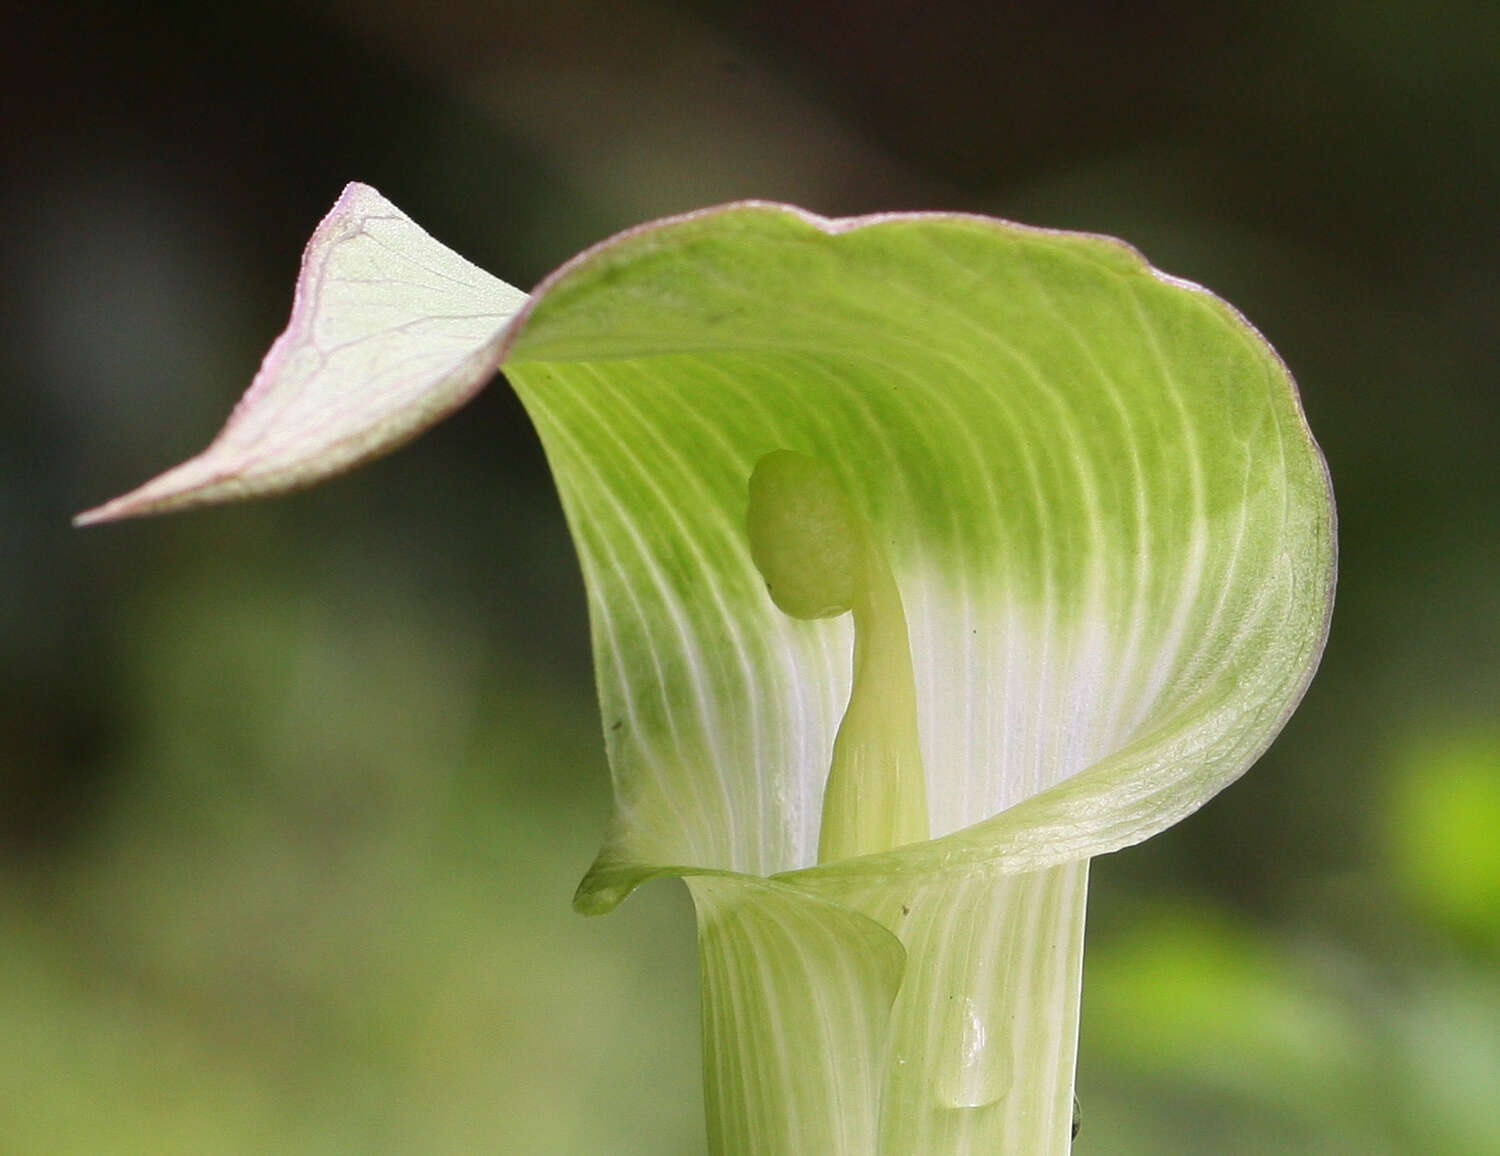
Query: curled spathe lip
1114, 533
1198, 674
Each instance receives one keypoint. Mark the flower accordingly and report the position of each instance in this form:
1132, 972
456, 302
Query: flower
1093, 498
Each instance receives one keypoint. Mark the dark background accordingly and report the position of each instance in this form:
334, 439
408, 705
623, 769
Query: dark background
293, 796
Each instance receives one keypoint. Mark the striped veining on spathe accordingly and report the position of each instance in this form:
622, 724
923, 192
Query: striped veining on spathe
695, 622
745, 688
802, 989
1136, 561
1046, 764
587, 513
1034, 427
982, 1036
1148, 683
792, 986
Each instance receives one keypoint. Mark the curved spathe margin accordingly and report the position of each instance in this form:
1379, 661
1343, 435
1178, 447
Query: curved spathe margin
390, 332
591, 312
1134, 790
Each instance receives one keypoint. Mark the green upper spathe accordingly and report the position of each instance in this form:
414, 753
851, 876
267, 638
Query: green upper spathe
1095, 492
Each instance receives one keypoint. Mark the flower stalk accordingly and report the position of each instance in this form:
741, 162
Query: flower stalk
1071, 505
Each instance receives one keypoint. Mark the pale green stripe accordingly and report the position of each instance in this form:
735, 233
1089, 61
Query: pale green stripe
796, 998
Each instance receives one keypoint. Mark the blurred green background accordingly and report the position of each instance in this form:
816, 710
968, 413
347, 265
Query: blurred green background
293, 796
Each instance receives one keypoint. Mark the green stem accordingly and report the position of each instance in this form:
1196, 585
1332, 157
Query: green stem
896, 1017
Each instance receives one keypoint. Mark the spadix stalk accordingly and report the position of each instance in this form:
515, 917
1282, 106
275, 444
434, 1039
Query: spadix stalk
820, 559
